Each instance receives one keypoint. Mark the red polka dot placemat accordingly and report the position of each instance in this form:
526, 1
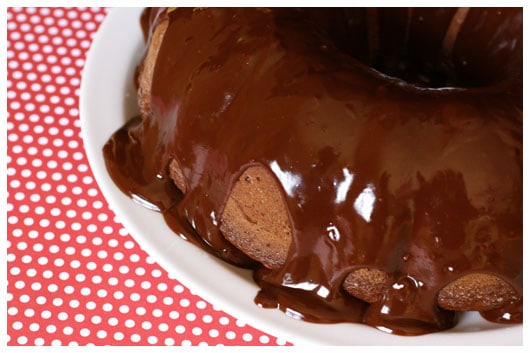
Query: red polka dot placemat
75, 276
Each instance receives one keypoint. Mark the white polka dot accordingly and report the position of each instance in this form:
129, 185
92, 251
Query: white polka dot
64, 276
129, 323
39, 341
280, 341
264, 339
57, 301
140, 271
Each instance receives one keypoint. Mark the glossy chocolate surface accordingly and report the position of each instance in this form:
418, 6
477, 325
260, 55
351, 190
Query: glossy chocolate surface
414, 171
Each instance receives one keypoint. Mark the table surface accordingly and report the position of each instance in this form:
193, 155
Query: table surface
75, 275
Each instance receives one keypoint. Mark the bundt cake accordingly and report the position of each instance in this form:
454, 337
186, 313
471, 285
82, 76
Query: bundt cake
366, 164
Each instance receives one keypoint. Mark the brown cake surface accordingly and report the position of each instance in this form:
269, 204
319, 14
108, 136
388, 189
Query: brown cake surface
390, 196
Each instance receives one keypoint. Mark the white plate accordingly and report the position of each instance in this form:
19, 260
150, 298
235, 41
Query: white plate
107, 101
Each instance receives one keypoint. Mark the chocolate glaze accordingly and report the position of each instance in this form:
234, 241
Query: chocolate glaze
391, 152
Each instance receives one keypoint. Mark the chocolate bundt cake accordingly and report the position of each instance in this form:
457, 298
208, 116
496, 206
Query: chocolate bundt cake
366, 164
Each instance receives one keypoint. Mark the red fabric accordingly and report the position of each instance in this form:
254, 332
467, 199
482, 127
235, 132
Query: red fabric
75, 276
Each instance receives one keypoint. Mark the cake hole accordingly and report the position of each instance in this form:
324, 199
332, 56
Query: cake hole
446, 47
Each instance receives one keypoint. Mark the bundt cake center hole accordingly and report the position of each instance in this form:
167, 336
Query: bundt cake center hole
433, 48
399, 49
434, 72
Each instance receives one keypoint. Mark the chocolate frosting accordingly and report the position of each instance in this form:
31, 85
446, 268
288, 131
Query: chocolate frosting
392, 151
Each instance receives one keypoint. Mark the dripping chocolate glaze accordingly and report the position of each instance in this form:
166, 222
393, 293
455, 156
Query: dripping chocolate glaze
415, 170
